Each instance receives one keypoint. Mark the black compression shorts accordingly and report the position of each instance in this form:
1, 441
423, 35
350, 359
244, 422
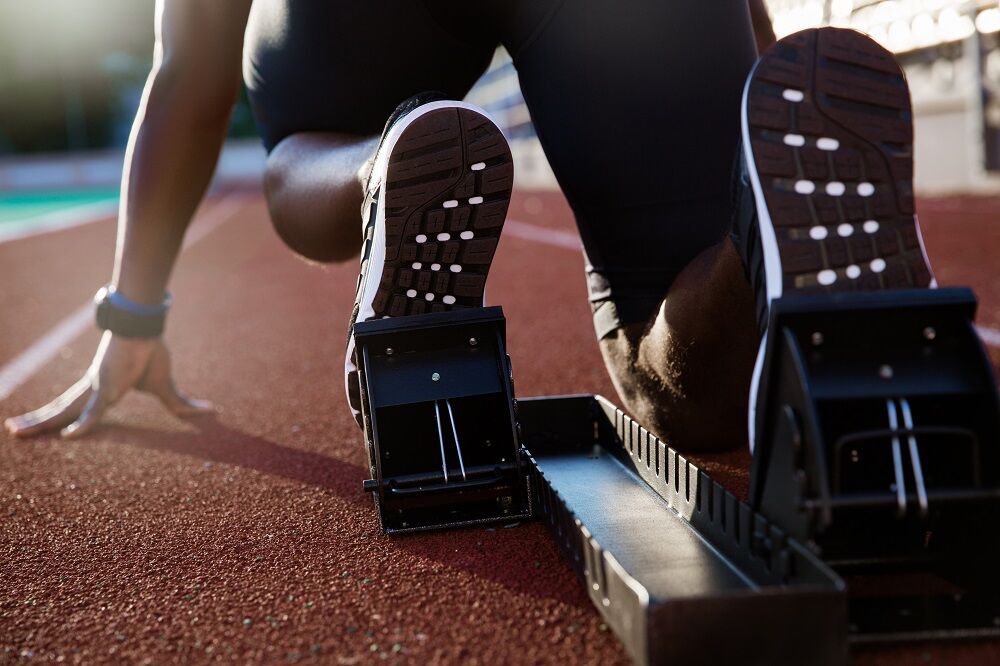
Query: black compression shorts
635, 102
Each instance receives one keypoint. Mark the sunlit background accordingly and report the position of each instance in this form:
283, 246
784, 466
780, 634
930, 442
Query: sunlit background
71, 74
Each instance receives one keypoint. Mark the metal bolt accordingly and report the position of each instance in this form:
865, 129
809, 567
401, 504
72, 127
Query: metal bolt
388, 351
817, 339
930, 333
435, 377
885, 371
473, 342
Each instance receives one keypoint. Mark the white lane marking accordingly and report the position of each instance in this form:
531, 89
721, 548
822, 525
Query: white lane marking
569, 241
532, 232
23, 366
61, 219
990, 336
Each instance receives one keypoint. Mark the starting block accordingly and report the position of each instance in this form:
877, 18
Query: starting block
875, 485
877, 447
437, 398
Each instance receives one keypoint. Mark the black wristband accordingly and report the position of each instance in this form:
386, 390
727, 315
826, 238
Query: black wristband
125, 323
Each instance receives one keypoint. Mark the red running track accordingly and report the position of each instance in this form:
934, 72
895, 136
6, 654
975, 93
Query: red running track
246, 536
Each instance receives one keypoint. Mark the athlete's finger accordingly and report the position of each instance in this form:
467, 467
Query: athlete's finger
96, 405
63, 410
178, 403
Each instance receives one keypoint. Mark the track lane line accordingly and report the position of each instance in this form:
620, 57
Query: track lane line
77, 216
23, 366
571, 241
533, 232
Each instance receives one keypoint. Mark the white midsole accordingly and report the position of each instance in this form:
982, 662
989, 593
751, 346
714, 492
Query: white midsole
376, 260
772, 258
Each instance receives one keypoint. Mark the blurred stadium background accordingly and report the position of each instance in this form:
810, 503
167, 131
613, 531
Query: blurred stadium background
71, 75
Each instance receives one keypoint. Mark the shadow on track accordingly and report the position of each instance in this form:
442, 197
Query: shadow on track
523, 559
215, 442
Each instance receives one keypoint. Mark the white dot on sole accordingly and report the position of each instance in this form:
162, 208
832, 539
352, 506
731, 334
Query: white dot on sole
478, 166
835, 188
845, 230
412, 293
866, 189
877, 265
853, 271
429, 297
455, 268
443, 236
449, 300
817, 233
826, 277
417, 265
826, 143
421, 238
435, 267
476, 200
870, 227
466, 235
793, 95
796, 140
805, 186
450, 203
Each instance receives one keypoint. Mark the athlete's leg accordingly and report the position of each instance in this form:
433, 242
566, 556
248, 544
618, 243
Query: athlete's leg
323, 76
313, 191
638, 112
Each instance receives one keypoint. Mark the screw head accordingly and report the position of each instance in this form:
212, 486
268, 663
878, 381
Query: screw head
885, 371
816, 338
388, 351
930, 333
436, 376
473, 342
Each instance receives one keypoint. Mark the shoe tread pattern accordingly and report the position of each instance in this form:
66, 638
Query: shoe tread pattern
431, 164
854, 93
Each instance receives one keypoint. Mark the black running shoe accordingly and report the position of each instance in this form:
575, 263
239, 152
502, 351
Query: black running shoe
827, 204
435, 204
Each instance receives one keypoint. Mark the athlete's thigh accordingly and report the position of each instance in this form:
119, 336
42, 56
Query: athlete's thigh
636, 104
642, 92
344, 65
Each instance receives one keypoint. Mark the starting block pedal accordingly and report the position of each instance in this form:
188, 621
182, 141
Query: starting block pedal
877, 446
438, 403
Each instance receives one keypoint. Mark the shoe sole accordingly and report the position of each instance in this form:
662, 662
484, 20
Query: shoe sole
445, 200
828, 141
446, 181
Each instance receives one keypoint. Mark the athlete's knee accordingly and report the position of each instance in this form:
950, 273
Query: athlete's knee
305, 225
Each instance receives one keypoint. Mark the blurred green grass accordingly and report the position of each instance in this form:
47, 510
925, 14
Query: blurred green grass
22, 208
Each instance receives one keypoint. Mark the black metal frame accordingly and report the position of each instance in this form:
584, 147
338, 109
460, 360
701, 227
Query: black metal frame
877, 433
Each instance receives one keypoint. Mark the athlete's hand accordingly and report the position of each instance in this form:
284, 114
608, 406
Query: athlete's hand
120, 364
